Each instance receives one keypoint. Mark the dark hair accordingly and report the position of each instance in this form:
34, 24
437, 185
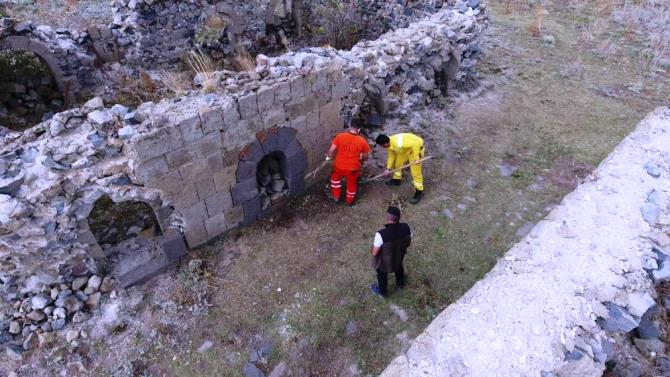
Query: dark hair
356, 123
382, 139
394, 212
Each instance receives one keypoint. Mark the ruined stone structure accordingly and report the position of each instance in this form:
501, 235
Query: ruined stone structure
63, 51
193, 160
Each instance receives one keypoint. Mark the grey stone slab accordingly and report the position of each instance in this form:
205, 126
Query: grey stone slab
283, 92
190, 128
174, 246
225, 179
252, 210
246, 170
244, 191
265, 98
195, 234
157, 142
211, 119
297, 88
181, 156
273, 117
151, 169
195, 213
218, 203
619, 320
216, 225
252, 152
248, 106
214, 161
205, 188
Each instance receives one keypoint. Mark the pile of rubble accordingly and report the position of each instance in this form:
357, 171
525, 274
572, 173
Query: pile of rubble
31, 318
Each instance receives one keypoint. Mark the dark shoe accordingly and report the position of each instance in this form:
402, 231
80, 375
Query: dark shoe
393, 182
399, 288
375, 289
417, 197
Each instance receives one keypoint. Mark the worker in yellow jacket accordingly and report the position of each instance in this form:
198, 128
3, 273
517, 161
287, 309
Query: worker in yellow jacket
402, 149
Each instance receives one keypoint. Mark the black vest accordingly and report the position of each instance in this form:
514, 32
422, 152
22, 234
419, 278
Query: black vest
396, 238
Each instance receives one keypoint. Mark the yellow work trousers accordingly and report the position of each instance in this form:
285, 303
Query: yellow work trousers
417, 177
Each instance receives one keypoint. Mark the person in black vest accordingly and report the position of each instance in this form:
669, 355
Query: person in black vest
388, 251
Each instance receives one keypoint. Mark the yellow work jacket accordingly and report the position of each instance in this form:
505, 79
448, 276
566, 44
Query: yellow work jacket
404, 146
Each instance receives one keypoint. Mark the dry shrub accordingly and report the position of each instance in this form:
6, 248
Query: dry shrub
651, 17
244, 62
203, 66
134, 91
342, 25
174, 82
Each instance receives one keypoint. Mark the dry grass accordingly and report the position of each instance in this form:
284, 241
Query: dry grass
204, 68
175, 82
244, 62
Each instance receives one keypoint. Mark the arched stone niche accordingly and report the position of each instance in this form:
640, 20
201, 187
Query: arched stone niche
281, 144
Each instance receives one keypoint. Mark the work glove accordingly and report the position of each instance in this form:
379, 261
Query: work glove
328, 159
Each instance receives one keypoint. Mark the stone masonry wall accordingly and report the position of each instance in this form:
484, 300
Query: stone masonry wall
64, 51
553, 305
193, 158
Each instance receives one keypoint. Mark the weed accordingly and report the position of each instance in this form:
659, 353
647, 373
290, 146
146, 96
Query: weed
244, 62
204, 68
174, 82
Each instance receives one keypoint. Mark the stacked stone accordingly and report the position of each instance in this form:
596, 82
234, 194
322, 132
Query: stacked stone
64, 51
194, 159
30, 319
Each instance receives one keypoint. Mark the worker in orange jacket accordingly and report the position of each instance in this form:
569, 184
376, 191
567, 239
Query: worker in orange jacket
349, 150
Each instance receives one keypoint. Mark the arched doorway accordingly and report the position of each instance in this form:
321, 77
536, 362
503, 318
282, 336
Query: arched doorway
29, 89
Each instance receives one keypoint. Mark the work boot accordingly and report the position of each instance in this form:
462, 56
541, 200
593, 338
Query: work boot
375, 289
393, 182
418, 194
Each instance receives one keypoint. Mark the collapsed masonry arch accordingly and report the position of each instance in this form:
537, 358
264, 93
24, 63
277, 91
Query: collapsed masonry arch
66, 86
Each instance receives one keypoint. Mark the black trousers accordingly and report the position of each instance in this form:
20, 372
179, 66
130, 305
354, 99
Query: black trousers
382, 280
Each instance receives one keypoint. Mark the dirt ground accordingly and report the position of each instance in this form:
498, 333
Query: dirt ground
70, 14
292, 291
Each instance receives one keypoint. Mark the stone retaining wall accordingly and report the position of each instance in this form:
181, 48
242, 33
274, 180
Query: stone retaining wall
551, 304
193, 158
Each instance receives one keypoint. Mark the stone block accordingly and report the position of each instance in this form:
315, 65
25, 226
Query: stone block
234, 216
163, 215
301, 106
273, 117
205, 188
218, 203
292, 148
244, 191
299, 123
171, 183
194, 171
231, 116
297, 88
296, 185
173, 246
210, 143
225, 179
190, 128
216, 225
187, 197
231, 157
252, 210
246, 170
215, 162
323, 96
195, 233
254, 124
196, 212
341, 89
148, 170
248, 106
330, 117
282, 92
265, 98
180, 157
253, 152
312, 121
297, 161
238, 135
157, 142
211, 119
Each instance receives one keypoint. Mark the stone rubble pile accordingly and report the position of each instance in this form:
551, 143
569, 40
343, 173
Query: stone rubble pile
271, 182
30, 320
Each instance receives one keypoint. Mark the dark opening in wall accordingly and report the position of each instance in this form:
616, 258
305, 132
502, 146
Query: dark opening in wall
112, 223
272, 183
29, 93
